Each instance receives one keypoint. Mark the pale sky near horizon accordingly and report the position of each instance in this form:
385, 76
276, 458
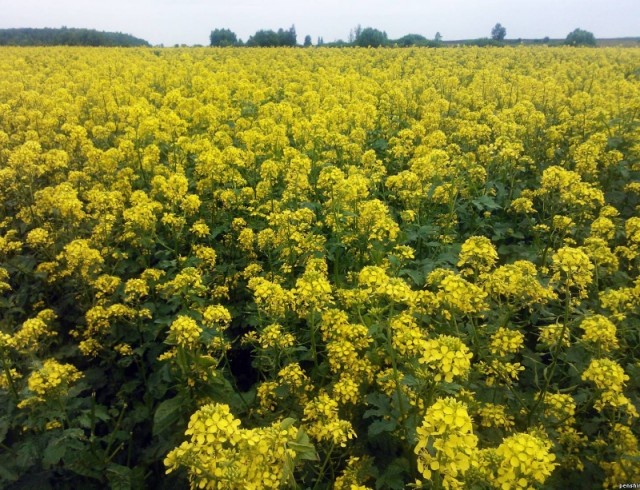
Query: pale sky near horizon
190, 22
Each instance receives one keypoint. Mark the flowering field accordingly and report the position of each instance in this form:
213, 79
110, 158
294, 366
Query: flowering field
319, 268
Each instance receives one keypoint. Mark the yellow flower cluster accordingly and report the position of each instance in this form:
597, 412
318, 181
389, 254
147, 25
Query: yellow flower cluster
518, 285
135, 289
627, 451
506, 341
322, 422
270, 297
477, 255
526, 461
33, 331
572, 269
313, 290
456, 294
375, 280
610, 378
345, 344
549, 336
52, 381
222, 455
185, 332
493, 415
408, 338
560, 407
448, 357
446, 442
273, 336
599, 331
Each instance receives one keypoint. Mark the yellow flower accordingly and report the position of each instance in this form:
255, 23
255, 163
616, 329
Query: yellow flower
505, 341
51, 381
477, 255
526, 460
448, 357
572, 269
39, 238
446, 442
135, 289
523, 205
606, 374
185, 332
233, 457
599, 330
456, 294
492, 415
200, 229
270, 296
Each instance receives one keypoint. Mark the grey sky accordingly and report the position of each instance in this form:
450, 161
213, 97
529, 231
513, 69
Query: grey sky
190, 21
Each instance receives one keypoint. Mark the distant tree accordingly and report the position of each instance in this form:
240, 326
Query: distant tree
580, 37
66, 37
354, 34
438, 37
320, 41
307, 41
264, 38
371, 37
412, 40
288, 37
270, 38
498, 33
223, 37
338, 43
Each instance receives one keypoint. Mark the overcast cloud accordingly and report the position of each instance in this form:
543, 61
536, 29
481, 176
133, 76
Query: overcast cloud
171, 22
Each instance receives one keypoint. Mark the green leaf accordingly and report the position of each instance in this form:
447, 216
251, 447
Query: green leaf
4, 427
58, 446
393, 477
377, 400
119, 477
167, 414
380, 426
54, 452
485, 203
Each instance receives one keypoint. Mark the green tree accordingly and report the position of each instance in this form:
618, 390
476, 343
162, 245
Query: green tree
412, 40
307, 41
498, 33
438, 37
66, 37
264, 38
288, 37
371, 37
223, 37
580, 37
270, 38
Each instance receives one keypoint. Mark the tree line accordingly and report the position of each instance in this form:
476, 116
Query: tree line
371, 37
66, 37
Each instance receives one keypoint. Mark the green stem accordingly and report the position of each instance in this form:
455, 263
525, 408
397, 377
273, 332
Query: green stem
324, 466
394, 365
12, 385
113, 434
554, 362
314, 348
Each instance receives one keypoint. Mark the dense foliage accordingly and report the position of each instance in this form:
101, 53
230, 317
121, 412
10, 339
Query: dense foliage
499, 32
269, 38
370, 37
319, 268
223, 38
580, 37
66, 37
